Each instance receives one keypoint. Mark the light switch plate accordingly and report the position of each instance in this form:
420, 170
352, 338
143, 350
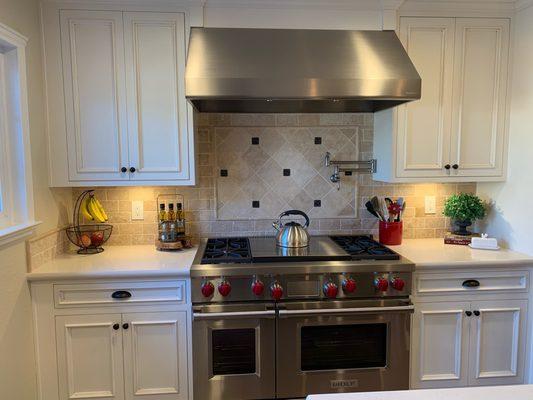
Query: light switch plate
137, 210
430, 205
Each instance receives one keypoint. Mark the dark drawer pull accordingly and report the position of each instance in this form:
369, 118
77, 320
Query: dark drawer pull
121, 294
468, 313
471, 283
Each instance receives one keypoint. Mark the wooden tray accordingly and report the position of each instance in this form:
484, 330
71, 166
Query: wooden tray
182, 243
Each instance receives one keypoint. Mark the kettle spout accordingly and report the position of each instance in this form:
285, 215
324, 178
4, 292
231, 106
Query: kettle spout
276, 225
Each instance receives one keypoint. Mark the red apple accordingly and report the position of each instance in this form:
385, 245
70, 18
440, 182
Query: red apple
97, 238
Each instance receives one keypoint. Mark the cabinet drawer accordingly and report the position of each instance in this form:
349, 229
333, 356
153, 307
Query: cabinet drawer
134, 293
489, 281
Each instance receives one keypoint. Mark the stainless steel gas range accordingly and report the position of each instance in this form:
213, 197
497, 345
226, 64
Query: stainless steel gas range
280, 323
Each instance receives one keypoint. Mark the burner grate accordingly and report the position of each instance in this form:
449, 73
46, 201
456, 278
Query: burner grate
227, 250
364, 248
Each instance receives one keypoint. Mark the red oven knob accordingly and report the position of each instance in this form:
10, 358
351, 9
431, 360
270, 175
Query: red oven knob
349, 285
276, 291
258, 287
224, 288
398, 284
330, 290
381, 284
208, 289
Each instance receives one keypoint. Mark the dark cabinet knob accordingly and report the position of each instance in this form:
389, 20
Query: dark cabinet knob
471, 283
476, 313
447, 166
132, 170
455, 166
123, 170
125, 326
468, 313
121, 294
116, 326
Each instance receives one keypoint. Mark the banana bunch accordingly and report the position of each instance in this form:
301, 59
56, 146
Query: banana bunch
92, 209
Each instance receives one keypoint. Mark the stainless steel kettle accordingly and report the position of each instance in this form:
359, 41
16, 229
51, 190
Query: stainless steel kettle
292, 234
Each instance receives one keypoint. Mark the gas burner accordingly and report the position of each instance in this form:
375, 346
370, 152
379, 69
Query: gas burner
227, 250
364, 248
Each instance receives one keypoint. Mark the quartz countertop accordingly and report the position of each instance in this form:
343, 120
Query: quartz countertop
142, 261
515, 392
433, 253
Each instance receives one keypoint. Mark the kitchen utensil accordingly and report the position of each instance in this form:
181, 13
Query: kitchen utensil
292, 234
377, 207
385, 208
371, 210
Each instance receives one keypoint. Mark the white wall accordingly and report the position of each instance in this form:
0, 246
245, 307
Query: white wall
511, 218
17, 360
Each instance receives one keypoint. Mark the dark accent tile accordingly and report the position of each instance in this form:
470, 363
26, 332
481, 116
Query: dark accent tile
317, 203
286, 172
223, 172
255, 140
318, 140
255, 204
348, 173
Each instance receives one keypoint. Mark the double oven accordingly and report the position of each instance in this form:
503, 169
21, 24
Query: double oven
289, 350
333, 318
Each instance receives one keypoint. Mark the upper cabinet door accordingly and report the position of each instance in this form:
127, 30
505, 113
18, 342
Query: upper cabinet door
160, 146
94, 85
480, 90
423, 141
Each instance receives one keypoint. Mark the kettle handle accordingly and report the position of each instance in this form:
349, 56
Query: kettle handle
296, 212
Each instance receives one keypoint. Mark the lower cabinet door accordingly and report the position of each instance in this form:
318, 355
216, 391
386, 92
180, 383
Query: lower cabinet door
497, 342
439, 345
155, 355
89, 356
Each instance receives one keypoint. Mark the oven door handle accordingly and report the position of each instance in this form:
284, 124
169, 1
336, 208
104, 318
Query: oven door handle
322, 311
235, 314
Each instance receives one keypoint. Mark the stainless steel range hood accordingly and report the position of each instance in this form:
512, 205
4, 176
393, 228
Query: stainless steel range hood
292, 70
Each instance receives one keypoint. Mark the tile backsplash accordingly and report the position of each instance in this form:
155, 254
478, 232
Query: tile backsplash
227, 205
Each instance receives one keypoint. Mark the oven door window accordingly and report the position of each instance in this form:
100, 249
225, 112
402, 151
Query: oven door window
233, 351
343, 347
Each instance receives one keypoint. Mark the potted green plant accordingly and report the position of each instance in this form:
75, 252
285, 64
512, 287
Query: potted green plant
463, 209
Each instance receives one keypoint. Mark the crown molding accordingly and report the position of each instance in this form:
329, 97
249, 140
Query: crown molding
466, 5
367, 5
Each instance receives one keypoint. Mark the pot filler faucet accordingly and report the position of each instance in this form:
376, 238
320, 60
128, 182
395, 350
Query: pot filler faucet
368, 167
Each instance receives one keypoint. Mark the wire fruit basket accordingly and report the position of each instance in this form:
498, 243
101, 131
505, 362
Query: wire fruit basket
89, 237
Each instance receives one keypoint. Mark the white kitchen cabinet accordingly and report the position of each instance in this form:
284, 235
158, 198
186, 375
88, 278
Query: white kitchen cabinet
89, 357
424, 126
480, 97
95, 94
497, 342
457, 131
469, 335
155, 362
122, 117
90, 344
123, 356
157, 109
440, 345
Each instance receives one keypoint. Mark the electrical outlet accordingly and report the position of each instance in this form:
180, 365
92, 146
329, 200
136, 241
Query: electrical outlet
430, 205
137, 210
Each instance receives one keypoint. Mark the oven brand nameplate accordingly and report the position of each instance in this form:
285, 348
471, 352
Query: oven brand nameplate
344, 383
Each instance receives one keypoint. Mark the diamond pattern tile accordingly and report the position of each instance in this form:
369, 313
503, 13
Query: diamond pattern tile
255, 171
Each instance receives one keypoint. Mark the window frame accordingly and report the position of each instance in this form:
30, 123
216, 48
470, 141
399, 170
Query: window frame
17, 220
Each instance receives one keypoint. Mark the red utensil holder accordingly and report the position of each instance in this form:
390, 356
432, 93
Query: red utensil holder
390, 232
